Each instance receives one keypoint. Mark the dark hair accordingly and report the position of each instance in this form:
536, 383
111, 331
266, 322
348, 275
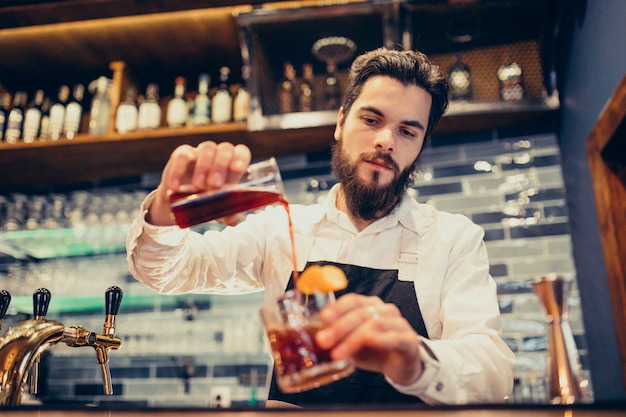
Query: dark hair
408, 67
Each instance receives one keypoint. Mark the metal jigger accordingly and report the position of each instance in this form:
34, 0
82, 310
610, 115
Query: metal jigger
565, 385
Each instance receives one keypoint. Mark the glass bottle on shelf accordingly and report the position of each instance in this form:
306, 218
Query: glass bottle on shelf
306, 90
459, 78
177, 111
190, 97
149, 116
241, 104
5, 103
201, 113
15, 120
511, 82
44, 130
99, 115
57, 113
32, 118
222, 104
74, 112
287, 90
127, 112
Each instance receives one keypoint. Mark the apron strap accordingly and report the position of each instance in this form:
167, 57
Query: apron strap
408, 258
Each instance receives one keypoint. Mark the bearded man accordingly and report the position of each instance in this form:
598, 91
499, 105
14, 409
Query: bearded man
419, 317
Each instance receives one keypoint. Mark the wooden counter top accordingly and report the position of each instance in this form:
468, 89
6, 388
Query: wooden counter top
472, 411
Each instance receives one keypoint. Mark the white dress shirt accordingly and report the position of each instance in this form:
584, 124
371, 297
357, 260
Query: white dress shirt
444, 255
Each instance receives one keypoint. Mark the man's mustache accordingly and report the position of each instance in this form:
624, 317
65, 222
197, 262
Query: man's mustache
385, 158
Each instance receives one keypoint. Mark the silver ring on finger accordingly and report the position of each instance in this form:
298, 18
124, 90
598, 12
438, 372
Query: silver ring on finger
373, 312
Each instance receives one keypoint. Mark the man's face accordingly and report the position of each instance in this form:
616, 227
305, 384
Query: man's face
378, 143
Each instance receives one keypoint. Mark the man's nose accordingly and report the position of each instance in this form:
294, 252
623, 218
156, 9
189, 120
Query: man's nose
384, 140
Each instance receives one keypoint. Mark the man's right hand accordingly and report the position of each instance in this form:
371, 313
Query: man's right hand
208, 166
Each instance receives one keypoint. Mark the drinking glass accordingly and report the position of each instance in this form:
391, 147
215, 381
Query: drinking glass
261, 186
291, 325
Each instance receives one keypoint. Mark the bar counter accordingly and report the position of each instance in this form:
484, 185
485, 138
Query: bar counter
586, 410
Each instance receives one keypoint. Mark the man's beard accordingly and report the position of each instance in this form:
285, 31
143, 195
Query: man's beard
370, 201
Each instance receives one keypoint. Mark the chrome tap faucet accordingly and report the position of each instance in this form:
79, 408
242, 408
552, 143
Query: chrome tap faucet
41, 302
5, 300
22, 344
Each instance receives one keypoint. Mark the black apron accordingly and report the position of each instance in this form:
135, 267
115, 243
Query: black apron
363, 387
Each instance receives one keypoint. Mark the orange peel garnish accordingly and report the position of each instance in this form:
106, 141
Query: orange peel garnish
321, 278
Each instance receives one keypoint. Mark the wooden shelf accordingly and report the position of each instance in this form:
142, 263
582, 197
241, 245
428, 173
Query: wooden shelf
93, 158
473, 116
21, 13
90, 159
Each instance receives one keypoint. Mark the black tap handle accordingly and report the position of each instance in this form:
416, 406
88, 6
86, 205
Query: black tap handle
41, 301
113, 299
5, 300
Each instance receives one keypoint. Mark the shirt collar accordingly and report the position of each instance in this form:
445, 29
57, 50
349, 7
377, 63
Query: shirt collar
409, 213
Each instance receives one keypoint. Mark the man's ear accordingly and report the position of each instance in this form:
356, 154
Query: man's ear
339, 125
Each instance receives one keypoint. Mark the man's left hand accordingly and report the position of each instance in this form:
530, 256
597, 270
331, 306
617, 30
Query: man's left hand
374, 334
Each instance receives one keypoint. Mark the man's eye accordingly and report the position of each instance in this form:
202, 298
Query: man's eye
407, 132
369, 120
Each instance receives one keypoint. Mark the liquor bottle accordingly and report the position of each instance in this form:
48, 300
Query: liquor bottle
149, 110
44, 129
190, 97
201, 112
332, 93
74, 112
460, 80
241, 104
32, 118
287, 90
222, 104
5, 102
511, 82
306, 92
15, 121
127, 112
177, 106
100, 112
57, 113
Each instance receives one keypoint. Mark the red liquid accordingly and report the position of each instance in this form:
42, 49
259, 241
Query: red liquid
193, 209
300, 364
296, 348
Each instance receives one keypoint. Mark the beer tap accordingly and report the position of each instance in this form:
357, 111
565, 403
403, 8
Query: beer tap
5, 300
77, 336
41, 302
24, 341
112, 300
